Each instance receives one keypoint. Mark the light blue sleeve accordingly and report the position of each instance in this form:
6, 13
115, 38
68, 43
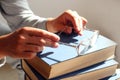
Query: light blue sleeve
18, 14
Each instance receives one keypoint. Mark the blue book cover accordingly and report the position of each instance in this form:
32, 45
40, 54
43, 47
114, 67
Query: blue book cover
97, 71
55, 55
65, 58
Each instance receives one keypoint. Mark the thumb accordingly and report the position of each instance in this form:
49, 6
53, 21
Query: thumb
66, 29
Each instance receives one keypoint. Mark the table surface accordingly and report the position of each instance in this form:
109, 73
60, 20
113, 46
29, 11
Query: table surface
7, 73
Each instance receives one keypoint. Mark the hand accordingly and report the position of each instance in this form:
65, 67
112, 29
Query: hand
69, 20
26, 42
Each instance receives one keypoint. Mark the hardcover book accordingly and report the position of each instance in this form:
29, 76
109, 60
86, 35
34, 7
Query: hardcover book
94, 72
26, 77
115, 76
74, 52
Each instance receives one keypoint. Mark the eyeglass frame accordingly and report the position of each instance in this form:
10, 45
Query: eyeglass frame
91, 40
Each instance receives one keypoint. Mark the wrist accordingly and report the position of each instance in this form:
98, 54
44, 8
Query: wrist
50, 25
3, 46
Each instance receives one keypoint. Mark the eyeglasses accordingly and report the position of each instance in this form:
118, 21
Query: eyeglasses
85, 44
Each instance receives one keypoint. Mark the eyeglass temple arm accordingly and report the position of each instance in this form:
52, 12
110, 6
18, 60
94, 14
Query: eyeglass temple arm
94, 38
92, 41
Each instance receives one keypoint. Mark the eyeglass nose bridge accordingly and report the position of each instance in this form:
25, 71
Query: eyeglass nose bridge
83, 42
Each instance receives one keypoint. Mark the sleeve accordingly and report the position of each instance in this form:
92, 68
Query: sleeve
2, 61
18, 14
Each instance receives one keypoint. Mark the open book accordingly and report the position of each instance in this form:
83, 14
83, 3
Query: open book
53, 62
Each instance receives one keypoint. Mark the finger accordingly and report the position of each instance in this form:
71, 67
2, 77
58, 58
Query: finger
29, 54
35, 40
39, 41
74, 19
80, 31
68, 29
78, 22
30, 48
84, 21
41, 33
49, 43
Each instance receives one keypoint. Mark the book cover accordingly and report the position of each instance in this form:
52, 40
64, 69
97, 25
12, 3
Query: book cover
94, 72
53, 62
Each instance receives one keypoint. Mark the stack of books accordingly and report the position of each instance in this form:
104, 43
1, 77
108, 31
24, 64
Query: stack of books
87, 57
115, 76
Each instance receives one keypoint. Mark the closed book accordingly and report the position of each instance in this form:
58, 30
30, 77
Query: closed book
26, 77
94, 72
53, 62
115, 76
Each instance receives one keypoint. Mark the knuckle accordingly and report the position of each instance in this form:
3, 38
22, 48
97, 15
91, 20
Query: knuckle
23, 30
42, 41
43, 33
21, 39
31, 55
38, 49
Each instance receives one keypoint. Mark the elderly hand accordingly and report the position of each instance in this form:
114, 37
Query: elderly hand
68, 20
26, 42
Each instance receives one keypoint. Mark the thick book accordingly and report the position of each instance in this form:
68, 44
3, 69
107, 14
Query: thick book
94, 72
53, 62
26, 77
115, 76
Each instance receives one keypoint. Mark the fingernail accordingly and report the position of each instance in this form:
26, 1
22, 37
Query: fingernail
80, 33
56, 45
